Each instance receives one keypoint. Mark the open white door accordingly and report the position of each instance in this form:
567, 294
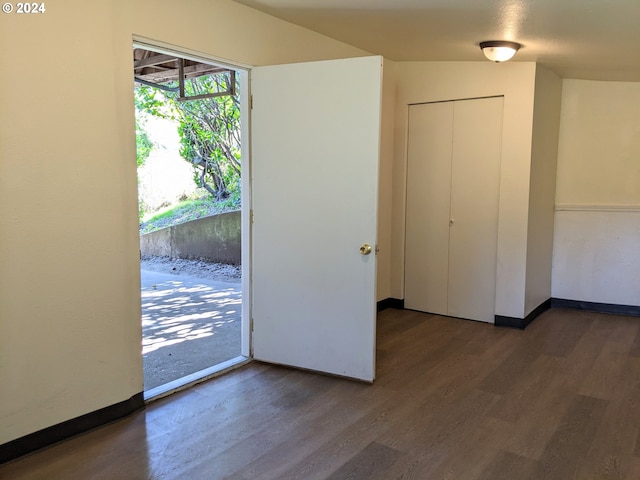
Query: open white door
315, 152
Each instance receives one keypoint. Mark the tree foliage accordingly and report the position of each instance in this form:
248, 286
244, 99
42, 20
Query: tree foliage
143, 144
209, 130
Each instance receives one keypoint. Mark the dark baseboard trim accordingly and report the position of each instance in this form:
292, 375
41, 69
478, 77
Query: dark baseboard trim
65, 430
396, 303
521, 323
629, 310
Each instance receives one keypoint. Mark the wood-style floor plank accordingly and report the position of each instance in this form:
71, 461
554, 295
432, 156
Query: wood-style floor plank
614, 447
572, 439
453, 399
508, 466
371, 462
635, 348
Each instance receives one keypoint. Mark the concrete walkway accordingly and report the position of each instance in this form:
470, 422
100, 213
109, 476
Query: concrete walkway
188, 324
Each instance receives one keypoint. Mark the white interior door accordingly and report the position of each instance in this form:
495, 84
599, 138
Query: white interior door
473, 240
315, 153
428, 191
453, 174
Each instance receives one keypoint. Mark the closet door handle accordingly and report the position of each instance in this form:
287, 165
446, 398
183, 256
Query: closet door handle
451, 221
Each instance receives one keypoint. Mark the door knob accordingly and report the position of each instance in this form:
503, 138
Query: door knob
451, 221
365, 249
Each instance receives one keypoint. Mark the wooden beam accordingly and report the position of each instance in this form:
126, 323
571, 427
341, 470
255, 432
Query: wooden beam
154, 60
226, 93
189, 72
181, 76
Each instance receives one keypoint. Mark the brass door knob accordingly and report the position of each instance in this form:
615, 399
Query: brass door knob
365, 249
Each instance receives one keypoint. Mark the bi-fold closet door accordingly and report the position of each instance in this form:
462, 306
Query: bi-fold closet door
453, 186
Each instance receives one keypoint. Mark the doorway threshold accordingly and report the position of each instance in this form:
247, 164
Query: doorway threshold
183, 383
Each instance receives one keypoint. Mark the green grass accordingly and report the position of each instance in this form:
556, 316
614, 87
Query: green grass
186, 211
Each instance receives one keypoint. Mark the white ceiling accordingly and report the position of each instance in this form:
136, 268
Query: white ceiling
586, 39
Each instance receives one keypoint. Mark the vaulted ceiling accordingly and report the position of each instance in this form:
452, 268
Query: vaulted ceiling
586, 39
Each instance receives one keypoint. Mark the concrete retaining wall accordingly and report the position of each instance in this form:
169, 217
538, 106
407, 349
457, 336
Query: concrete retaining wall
215, 239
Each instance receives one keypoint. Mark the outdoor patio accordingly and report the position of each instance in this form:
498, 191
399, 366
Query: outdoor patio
188, 324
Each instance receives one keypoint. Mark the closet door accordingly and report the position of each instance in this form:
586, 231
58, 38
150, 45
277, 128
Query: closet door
453, 169
473, 235
428, 191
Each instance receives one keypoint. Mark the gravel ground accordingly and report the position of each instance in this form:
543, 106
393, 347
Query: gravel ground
195, 268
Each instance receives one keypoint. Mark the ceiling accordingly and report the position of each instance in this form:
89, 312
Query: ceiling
585, 39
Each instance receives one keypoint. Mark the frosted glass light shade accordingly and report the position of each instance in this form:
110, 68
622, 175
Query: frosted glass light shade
498, 50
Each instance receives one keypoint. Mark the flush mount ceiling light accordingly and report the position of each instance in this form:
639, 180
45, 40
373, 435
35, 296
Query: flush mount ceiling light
499, 50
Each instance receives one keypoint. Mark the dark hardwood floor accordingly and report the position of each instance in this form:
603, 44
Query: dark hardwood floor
453, 399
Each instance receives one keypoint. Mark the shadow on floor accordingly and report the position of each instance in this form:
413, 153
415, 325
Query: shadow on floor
188, 324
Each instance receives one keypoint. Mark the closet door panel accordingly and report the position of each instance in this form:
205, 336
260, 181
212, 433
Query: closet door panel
475, 163
428, 190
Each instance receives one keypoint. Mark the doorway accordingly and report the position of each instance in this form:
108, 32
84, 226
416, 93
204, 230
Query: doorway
315, 301
194, 276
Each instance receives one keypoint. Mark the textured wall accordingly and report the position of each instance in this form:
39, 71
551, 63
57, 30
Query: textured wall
216, 239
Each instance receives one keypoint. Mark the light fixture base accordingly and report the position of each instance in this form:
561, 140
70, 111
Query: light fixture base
499, 50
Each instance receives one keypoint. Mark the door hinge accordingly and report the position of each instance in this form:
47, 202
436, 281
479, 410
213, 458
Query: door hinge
251, 102
251, 216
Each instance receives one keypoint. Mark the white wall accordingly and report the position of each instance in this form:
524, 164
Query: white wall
542, 186
419, 82
69, 288
599, 150
597, 222
596, 255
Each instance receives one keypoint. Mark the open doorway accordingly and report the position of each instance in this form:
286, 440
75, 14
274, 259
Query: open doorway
188, 133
